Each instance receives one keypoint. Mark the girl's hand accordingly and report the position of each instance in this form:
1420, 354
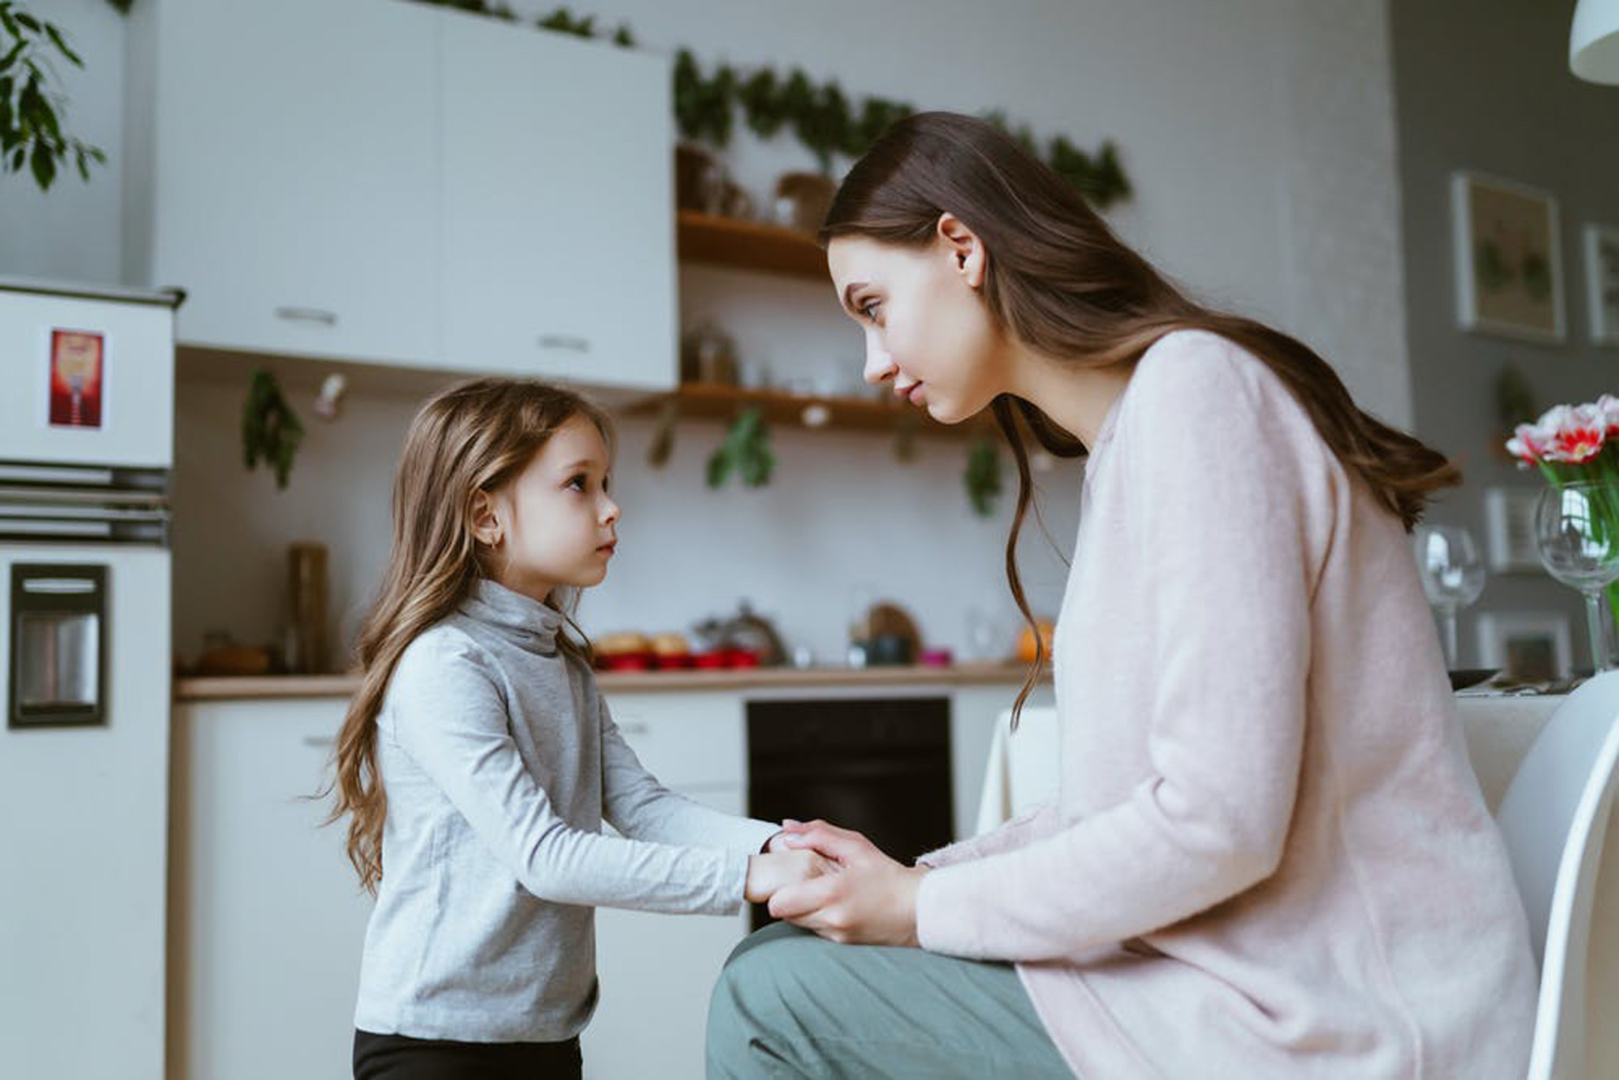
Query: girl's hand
779, 869
871, 901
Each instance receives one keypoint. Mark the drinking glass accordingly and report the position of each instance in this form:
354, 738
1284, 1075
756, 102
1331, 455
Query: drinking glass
1577, 537
1452, 572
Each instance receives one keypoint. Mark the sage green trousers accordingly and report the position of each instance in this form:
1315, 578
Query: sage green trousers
790, 1004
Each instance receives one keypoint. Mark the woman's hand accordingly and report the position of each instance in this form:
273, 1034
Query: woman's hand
780, 868
870, 901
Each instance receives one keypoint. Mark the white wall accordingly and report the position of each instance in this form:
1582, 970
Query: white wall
72, 231
1258, 134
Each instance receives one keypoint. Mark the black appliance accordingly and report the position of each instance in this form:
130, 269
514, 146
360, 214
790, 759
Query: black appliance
880, 766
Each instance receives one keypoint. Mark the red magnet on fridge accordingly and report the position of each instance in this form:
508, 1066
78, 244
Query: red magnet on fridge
76, 378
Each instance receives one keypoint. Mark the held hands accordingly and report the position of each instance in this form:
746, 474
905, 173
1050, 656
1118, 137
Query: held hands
780, 867
871, 900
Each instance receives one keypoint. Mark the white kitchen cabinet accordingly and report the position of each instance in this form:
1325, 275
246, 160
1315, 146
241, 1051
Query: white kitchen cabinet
556, 222
283, 168
393, 183
657, 971
267, 919
691, 741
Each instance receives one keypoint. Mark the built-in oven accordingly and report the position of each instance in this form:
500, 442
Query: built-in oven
878, 765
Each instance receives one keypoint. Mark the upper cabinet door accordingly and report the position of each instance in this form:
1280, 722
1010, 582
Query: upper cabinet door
557, 233
294, 182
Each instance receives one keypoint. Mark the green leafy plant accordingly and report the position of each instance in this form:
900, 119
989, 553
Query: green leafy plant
828, 124
31, 130
270, 429
983, 476
703, 106
560, 21
745, 451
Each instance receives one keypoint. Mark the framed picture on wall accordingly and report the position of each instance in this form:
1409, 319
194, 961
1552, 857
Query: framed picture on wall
1602, 282
1509, 278
1532, 646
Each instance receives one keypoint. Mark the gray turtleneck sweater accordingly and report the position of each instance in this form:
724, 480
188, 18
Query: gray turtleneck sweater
500, 763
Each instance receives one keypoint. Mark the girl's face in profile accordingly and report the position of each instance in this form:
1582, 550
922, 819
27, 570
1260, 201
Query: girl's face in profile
554, 524
927, 327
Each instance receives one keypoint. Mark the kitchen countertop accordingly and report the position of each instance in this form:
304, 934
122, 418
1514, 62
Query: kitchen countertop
342, 686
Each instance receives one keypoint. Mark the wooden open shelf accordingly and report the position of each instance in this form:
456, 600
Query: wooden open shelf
708, 401
748, 245
752, 246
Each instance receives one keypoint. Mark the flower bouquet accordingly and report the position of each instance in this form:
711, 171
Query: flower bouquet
1576, 447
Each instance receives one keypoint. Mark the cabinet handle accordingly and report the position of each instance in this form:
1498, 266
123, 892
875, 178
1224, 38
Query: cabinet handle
635, 727
307, 314
564, 341
320, 741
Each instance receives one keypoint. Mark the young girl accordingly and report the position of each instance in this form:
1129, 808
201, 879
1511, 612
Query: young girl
478, 760
1269, 857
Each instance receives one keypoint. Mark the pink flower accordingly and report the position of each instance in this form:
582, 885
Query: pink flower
1578, 433
1527, 444
1608, 405
1567, 434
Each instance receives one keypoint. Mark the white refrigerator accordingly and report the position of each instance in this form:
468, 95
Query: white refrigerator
86, 449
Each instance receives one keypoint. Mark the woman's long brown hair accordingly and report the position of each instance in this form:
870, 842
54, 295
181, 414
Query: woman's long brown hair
475, 436
1058, 280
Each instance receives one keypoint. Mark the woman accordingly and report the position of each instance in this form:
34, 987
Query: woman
1269, 856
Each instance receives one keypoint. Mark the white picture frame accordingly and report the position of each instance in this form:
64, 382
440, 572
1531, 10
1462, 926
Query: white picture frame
1509, 530
1533, 646
1602, 283
1508, 259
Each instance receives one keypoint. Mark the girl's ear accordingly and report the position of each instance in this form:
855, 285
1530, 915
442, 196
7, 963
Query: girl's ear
485, 522
965, 249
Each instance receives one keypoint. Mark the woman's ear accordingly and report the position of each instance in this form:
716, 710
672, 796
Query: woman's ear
485, 522
966, 250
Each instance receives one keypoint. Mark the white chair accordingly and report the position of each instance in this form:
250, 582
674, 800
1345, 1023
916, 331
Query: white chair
1023, 765
1554, 817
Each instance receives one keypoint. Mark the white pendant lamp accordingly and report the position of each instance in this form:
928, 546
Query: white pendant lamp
1593, 44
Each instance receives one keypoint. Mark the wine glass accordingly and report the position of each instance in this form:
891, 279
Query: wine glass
1577, 537
1452, 572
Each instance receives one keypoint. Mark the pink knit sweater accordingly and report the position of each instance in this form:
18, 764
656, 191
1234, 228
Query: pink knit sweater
1270, 856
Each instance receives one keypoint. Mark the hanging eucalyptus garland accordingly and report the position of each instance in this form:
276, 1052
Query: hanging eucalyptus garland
828, 124
745, 451
271, 431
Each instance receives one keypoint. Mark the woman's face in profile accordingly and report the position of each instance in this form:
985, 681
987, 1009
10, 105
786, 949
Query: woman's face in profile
926, 325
